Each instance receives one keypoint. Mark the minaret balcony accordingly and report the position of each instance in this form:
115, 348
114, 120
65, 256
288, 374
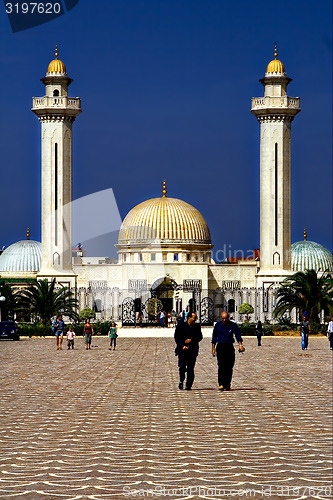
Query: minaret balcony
56, 103
275, 104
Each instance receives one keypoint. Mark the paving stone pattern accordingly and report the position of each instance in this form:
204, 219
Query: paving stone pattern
111, 425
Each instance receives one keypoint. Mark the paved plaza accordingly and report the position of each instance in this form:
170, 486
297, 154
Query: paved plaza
111, 425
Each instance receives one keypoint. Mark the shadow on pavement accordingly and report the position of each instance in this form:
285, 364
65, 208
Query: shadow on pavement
232, 390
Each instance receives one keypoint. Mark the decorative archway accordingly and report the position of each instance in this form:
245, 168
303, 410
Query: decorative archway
163, 289
164, 280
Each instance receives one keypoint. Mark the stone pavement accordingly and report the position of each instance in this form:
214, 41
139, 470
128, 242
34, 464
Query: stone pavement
111, 425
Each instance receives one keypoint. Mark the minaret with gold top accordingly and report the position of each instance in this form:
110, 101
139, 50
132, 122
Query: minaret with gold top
275, 113
56, 112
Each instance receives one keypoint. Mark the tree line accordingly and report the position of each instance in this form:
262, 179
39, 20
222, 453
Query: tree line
43, 299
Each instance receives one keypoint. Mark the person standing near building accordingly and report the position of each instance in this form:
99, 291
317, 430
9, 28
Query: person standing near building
139, 319
113, 335
187, 336
173, 317
223, 348
88, 332
259, 332
330, 333
304, 331
58, 330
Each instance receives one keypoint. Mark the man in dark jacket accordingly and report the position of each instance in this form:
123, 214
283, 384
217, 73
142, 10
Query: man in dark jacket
223, 338
187, 336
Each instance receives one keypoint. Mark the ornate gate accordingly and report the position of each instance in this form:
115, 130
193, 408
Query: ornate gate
128, 317
151, 311
207, 311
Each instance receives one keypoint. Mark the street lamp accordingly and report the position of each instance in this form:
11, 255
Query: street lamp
2, 299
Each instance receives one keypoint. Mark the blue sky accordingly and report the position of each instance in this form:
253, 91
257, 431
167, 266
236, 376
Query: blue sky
166, 90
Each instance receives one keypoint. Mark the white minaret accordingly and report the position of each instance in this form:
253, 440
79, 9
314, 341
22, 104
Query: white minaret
275, 112
56, 112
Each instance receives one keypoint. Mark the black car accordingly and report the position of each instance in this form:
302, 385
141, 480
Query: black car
8, 330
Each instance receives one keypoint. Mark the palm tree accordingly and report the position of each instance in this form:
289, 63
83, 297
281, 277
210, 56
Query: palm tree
305, 291
43, 300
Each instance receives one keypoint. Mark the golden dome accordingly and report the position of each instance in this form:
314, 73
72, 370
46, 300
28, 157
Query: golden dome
275, 66
56, 66
166, 220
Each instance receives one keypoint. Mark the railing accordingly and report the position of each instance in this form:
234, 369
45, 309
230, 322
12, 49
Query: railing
275, 102
56, 102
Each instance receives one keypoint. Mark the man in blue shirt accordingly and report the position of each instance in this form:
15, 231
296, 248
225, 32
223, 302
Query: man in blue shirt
223, 338
58, 330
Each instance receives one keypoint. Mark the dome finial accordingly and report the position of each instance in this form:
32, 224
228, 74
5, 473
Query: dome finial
164, 189
276, 67
275, 51
28, 233
56, 66
305, 234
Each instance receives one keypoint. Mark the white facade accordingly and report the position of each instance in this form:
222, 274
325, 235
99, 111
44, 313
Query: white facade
164, 247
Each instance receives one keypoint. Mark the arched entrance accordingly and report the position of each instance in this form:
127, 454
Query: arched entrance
164, 290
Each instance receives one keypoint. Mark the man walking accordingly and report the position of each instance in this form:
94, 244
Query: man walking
222, 346
187, 336
304, 331
259, 332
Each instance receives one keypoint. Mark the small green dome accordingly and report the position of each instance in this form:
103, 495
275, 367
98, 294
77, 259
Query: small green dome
310, 255
23, 256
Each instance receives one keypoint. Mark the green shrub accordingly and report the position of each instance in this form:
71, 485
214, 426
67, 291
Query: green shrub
284, 321
268, 329
40, 330
86, 313
316, 328
248, 329
102, 328
246, 310
36, 330
78, 328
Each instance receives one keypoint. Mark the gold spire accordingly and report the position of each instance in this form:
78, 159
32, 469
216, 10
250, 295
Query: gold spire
164, 189
28, 233
275, 51
305, 235
276, 66
56, 66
